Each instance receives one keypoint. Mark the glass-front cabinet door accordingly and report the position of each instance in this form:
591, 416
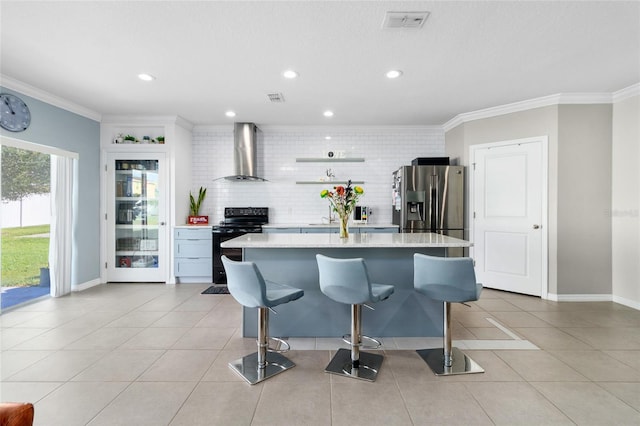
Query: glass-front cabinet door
137, 239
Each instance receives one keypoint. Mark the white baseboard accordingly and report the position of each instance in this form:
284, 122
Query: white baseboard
594, 298
86, 285
627, 302
580, 297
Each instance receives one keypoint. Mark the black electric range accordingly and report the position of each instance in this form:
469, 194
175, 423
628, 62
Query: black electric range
237, 221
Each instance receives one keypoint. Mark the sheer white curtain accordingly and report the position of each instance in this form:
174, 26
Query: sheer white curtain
61, 237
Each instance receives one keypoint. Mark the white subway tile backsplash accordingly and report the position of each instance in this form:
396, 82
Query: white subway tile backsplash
383, 150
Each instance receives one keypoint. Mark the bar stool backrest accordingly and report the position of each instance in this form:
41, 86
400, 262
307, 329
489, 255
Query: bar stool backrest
245, 283
434, 273
344, 280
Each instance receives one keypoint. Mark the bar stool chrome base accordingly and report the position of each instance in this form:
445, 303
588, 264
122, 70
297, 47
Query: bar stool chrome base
342, 365
247, 367
461, 363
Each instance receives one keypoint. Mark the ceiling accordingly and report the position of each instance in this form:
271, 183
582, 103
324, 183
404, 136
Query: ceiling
212, 56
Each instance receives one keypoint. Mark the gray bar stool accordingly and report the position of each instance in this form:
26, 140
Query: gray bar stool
347, 281
446, 279
250, 289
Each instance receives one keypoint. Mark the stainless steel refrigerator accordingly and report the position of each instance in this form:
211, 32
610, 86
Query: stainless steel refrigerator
429, 199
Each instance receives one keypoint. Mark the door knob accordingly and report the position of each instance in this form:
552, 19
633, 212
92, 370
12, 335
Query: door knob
536, 226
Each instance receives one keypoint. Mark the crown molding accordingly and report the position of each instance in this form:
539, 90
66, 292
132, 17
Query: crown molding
557, 99
626, 93
185, 124
49, 98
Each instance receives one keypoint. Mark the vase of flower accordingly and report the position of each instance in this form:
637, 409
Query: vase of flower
344, 226
343, 201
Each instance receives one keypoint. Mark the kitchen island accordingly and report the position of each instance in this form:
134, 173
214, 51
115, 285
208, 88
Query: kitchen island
313, 228
290, 259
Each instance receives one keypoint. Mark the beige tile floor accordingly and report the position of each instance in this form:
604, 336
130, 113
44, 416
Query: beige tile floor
151, 354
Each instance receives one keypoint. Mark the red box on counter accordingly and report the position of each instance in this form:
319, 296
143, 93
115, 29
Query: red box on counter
198, 220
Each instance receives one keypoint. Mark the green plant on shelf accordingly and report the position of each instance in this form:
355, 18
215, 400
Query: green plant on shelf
196, 204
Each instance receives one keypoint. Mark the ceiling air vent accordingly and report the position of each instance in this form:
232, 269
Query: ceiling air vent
408, 20
276, 97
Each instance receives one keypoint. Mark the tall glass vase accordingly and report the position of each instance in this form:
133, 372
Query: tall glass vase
344, 226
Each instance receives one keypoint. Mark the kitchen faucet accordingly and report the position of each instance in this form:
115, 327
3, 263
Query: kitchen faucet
331, 217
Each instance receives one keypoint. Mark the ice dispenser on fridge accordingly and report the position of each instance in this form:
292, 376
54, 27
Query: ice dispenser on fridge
415, 205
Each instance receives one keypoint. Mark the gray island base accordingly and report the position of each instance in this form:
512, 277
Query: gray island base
291, 259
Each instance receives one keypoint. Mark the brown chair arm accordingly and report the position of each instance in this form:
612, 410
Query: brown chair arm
16, 414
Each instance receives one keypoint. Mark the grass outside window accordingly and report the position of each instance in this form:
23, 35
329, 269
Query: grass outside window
24, 251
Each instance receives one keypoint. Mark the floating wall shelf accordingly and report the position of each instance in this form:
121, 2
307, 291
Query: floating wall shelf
333, 182
329, 160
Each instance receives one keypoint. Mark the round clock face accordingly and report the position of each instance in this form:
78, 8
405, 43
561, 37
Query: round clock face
14, 113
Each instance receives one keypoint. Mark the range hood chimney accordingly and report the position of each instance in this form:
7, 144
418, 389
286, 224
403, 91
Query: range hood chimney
245, 152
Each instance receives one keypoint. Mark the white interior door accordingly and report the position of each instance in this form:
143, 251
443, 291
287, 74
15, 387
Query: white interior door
509, 219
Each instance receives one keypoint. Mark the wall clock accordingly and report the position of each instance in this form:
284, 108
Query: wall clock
14, 113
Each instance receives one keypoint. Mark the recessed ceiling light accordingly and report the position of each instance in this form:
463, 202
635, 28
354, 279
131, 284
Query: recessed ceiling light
146, 77
394, 74
230, 114
290, 74
328, 138
328, 113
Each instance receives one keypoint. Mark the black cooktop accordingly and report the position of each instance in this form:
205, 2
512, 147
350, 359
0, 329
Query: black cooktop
248, 219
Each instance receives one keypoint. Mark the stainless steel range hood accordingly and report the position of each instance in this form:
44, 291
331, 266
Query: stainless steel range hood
245, 138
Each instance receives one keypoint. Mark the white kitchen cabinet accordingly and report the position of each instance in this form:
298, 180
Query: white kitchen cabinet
319, 229
378, 229
193, 254
137, 246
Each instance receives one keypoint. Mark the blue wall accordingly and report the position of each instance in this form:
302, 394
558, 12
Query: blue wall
56, 127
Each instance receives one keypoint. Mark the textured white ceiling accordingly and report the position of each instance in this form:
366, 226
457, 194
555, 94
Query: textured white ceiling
210, 56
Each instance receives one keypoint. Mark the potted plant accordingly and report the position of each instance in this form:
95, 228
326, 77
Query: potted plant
194, 208
130, 139
45, 279
160, 139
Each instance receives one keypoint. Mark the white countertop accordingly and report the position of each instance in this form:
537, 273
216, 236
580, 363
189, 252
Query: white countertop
328, 225
355, 240
305, 225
